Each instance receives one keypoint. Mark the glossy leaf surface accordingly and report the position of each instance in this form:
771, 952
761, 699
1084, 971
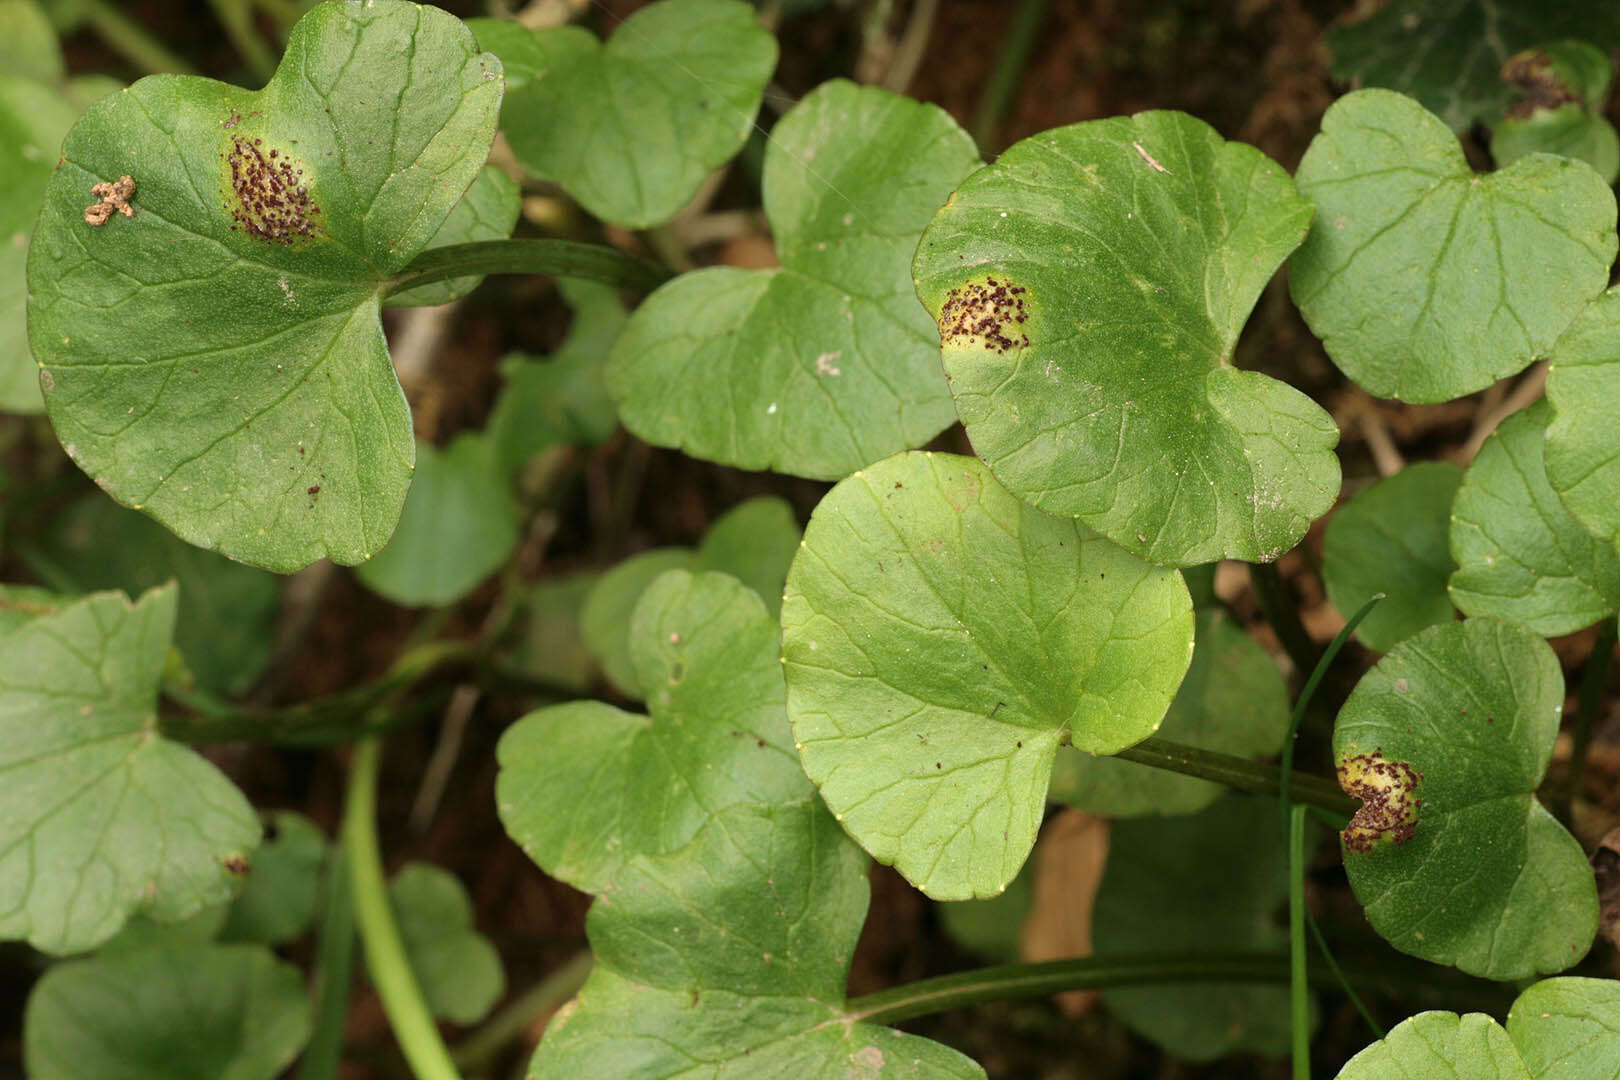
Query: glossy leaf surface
1454, 860
632, 127
827, 363
1425, 281
182, 1012
585, 786
1090, 287
104, 816
941, 639
1394, 538
1232, 700
216, 354
729, 957
1519, 553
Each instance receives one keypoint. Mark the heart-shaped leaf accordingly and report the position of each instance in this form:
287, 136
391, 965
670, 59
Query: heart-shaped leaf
1186, 885
1445, 743
457, 968
1583, 442
942, 639
1520, 555
216, 354
1232, 700
1425, 281
1449, 53
1394, 538
459, 525
631, 128
1568, 1029
729, 957
1090, 287
828, 363
164, 1012
1440, 1046
104, 817
585, 786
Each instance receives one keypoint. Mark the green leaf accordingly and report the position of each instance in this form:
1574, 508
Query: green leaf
457, 968
1568, 1029
1448, 53
1583, 442
184, 1012
729, 958
827, 363
1232, 700
550, 645
105, 817
227, 611
459, 526
754, 541
488, 211
1569, 131
141, 932
585, 786
277, 903
631, 128
1090, 287
21, 604
1393, 538
1440, 1046
941, 640
1445, 742
213, 357
1198, 884
28, 47
1520, 555
564, 399
1425, 281
1564, 84
33, 120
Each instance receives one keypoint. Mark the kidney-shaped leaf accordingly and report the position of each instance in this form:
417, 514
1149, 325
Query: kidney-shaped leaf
585, 786
1583, 441
168, 1012
1445, 742
827, 363
216, 353
729, 957
1440, 1046
631, 128
1392, 538
457, 968
942, 639
1568, 1029
1520, 555
1090, 287
1425, 281
102, 816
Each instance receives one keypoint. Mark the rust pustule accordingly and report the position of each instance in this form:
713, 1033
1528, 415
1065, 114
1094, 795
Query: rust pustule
271, 199
993, 311
1389, 803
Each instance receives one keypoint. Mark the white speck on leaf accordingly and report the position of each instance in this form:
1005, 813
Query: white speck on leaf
772, 410
824, 365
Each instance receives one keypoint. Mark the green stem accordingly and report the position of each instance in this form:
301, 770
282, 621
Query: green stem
481, 1048
1593, 681
1239, 773
130, 39
1282, 612
554, 258
1016, 48
334, 971
386, 961
236, 16
1338, 973
1305, 695
1299, 1002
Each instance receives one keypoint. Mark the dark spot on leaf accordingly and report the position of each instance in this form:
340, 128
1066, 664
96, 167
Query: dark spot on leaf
760, 743
314, 489
937, 765
236, 864
990, 311
269, 201
1389, 804
1534, 73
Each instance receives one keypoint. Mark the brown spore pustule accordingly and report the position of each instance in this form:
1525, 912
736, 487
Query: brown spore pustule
992, 311
270, 198
1389, 803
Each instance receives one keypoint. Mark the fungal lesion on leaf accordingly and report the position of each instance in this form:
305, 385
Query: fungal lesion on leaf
1389, 803
989, 314
112, 197
268, 194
